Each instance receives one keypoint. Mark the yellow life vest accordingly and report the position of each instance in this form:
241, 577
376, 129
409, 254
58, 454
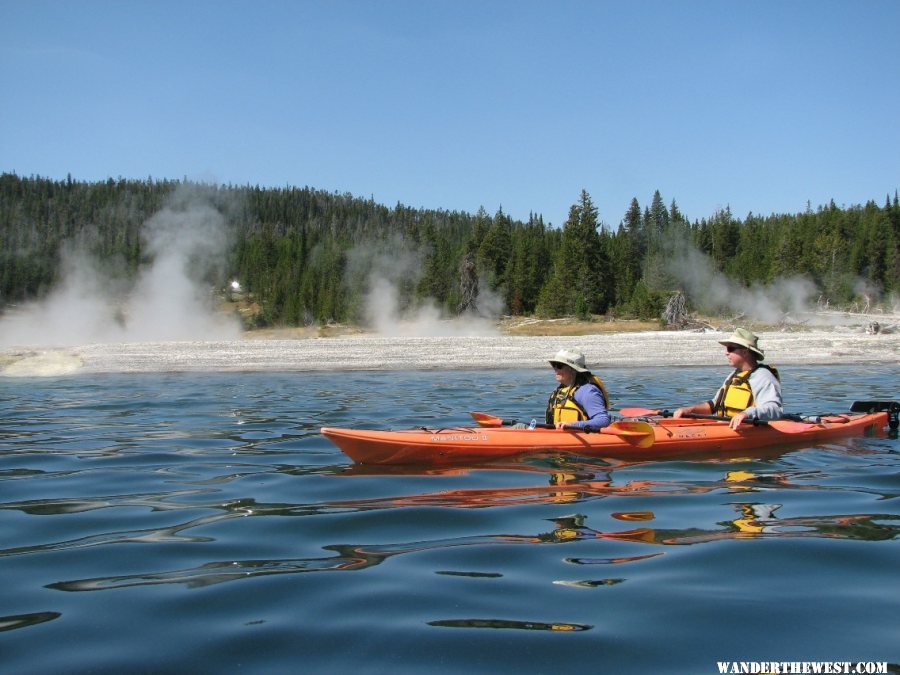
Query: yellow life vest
736, 396
562, 406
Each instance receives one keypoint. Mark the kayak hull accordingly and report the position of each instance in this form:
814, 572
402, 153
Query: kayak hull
673, 438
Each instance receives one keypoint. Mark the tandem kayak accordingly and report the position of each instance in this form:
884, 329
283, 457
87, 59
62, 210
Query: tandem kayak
651, 438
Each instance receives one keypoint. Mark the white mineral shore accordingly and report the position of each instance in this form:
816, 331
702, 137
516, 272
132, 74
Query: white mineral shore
607, 350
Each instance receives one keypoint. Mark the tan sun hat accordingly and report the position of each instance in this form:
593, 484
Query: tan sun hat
744, 338
573, 359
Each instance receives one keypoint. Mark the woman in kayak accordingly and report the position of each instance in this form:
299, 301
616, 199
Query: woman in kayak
752, 391
580, 400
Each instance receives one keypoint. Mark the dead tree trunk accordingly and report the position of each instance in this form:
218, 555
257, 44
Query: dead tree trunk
468, 285
675, 314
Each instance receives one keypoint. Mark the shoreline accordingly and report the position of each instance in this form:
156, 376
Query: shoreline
365, 352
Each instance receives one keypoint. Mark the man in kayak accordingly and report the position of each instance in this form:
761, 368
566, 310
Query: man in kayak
580, 400
752, 391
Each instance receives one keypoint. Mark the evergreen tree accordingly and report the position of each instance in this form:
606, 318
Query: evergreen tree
579, 282
658, 219
494, 251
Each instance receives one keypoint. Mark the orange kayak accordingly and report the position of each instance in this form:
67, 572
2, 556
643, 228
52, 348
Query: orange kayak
654, 438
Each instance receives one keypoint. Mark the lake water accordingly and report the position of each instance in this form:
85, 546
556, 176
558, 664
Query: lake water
199, 523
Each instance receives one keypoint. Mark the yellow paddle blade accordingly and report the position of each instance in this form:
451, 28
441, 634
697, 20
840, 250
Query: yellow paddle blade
640, 434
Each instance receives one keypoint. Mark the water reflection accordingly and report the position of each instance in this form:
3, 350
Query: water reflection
589, 583
574, 486
751, 521
504, 623
473, 575
24, 620
349, 557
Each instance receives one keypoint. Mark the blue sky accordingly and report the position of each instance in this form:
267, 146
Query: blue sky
456, 104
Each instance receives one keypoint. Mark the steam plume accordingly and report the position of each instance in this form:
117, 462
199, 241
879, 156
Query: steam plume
168, 300
397, 267
784, 299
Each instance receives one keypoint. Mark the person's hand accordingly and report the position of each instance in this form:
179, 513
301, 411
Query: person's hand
679, 412
737, 419
561, 425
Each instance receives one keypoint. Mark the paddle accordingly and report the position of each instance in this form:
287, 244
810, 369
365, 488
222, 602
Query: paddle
875, 406
644, 412
783, 426
638, 433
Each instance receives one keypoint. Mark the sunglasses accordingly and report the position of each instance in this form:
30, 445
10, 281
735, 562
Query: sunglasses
732, 348
558, 366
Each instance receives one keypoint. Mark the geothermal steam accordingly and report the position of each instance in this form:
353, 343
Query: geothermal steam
394, 266
712, 290
167, 301
785, 299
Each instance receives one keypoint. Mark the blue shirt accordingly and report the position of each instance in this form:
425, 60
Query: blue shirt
591, 400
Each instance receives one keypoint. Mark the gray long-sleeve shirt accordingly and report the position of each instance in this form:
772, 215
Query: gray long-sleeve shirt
767, 401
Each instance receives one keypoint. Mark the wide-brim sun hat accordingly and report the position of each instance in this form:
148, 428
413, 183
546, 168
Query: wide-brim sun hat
744, 338
573, 359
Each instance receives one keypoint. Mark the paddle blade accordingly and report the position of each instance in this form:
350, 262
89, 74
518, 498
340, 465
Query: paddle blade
787, 427
638, 412
485, 420
784, 426
644, 412
874, 406
640, 434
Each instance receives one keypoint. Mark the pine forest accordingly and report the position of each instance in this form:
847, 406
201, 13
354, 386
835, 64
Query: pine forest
312, 257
